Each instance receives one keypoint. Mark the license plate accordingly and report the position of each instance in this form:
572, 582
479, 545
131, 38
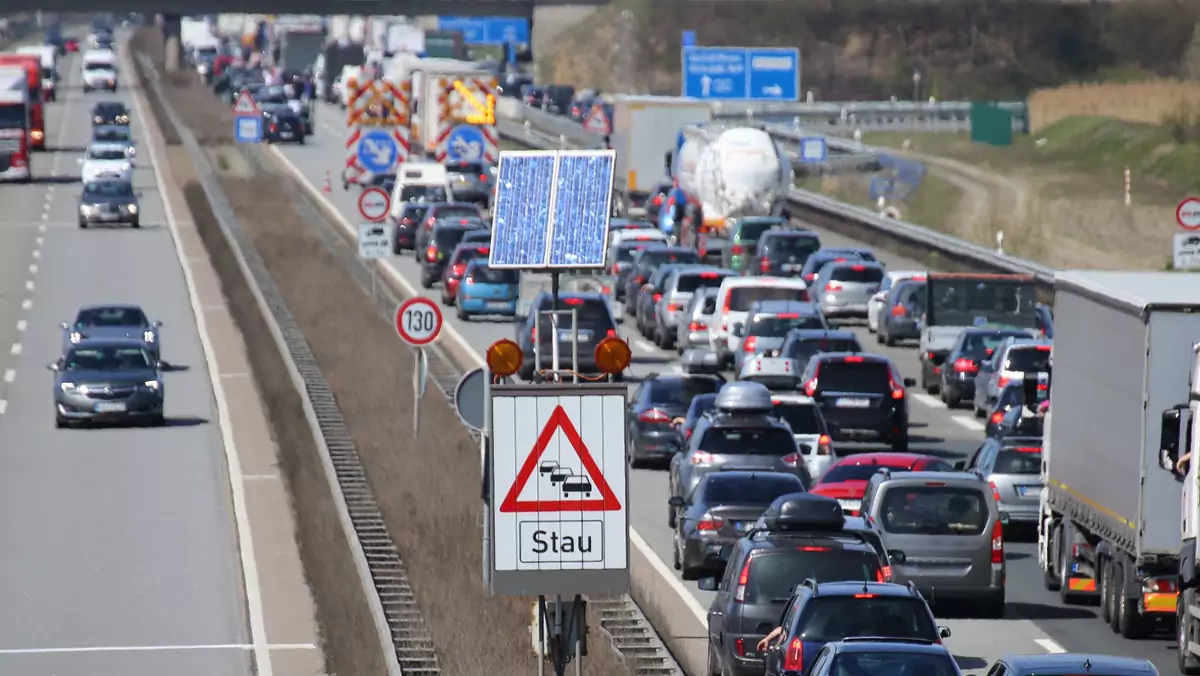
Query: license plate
1025, 490
845, 402
110, 407
104, 216
497, 305
285, 134
791, 267
739, 526
567, 336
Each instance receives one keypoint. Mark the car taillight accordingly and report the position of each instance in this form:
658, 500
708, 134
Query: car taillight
274, 127
639, 280
995, 491
997, 417
611, 333
792, 459
1042, 387
458, 269
739, 646
739, 594
834, 286
824, 445
1003, 382
764, 265
702, 458
674, 307
533, 334
810, 387
483, 177
737, 249
697, 326
656, 297
431, 254
886, 574
879, 576
899, 311
658, 199
793, 659
429, 223
709, 524
964, 365
997, 543
748, 344
655, 416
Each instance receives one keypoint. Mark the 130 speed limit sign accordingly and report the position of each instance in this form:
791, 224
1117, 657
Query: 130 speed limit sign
418, 321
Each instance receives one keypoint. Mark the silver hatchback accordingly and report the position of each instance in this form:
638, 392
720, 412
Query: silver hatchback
1012, 466
846, 287
691, 325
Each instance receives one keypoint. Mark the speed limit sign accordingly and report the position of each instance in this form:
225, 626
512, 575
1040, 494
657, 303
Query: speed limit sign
418, 321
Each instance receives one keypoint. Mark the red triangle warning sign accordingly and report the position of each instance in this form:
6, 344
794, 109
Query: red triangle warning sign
245, 105
594, 482
597, 121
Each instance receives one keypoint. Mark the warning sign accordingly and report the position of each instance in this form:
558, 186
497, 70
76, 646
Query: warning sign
597, 121
245, 105
559, 496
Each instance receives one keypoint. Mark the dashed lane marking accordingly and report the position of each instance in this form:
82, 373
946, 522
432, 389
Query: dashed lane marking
26, 304
16, 349
973, 425
29, 285
22, 324
3, 406
1050, 645
10, 375
643, 345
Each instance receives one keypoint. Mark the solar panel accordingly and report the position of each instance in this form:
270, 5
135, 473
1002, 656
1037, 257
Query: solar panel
521, 211
582, 199
551, 209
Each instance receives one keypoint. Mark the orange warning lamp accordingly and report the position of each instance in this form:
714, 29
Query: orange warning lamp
613, 355
504, 357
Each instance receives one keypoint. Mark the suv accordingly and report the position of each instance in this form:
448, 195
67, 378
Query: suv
441, 211
801, 345
860, 393
744, 233
768, 323
846, 289
677, 292
782, 253
654, 408
471, 182
805, 537
595, 323
947, 528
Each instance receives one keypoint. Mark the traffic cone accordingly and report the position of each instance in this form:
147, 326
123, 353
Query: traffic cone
325, 185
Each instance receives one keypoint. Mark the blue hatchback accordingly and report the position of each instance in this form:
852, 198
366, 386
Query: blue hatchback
486, 291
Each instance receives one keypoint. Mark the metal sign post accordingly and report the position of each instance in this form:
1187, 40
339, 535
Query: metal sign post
418, 323
374, 242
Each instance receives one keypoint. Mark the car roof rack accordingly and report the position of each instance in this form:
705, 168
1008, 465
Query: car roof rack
803, 512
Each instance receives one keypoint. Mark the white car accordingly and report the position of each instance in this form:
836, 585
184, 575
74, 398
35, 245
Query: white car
812, 434
107, 160
879, 300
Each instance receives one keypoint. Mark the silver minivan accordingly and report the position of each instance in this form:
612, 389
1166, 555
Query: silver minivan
949, 529
844, 289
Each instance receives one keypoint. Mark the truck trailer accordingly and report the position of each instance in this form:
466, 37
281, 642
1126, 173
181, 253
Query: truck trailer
644, 130
1109, 515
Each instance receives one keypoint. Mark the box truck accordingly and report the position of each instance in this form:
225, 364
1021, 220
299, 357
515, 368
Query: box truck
644, 131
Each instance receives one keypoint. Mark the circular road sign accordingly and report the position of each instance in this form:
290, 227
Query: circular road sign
1188, 213
418, 321
373, 204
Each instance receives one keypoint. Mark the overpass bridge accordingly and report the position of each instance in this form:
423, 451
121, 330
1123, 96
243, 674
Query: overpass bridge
363, 7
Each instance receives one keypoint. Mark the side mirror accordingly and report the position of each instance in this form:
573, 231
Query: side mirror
707, 584
897, 557
160, 365
53, 366
910, 382
1168, 438
157, 324
738, 330
64, 325
961, 465
675, 501
726, 553
944, 632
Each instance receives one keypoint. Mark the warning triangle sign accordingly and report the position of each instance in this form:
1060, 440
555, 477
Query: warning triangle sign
606, 502
245, 105
597, 121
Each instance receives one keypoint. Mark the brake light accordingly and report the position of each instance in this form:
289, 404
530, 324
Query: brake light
864, 596
1043, 348
858, 268
708, 524
853, 360
886, 573
483, 177
654, 416
703, 458
674, 307
458, 269
833, 286
274, 127
739, 594
792, 459
573, 301
740, 647
997, 543
839, 260
1042, 387
810, 276
935, 484
429, 223
997, 417
658, 199
764, 265
879, 576
1003, 382
789, 315
484, 250
793, 660
708, 275
748, 344
811, 548
964, 365
1026, 449
810, 387
697, 326
824, 445
995, 491
918, 278
899, 311
737, 249
639, 280
728, 303
657, 297
533, 334
431, 254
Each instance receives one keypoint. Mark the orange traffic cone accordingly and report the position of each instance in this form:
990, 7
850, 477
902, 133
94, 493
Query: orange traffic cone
325, 186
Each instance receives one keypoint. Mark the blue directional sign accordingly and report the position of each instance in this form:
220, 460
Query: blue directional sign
814, 150
465, 144
247, 129
490, 30
377, 151
689, 39
552, 209
740, 73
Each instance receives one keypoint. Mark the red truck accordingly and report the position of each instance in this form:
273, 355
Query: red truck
15, 113
37, 105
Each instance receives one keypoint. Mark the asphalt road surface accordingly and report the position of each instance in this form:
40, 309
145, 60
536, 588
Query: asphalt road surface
1036, 622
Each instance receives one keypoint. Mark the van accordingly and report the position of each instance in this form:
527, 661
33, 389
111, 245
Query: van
734, 299
99, 70
419, 182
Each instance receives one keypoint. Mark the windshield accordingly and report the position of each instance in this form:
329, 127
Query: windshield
742, 441
1028, 359
107, 359
803, 350
978, 301
889, 663
796, 246
833, 618
680, 391
741, 297
485, 275
108, 189
113, 133
422, 193
1020, 460
448, 238
468, 253
12, 116
689, 283
981, 345
933, 510
858, 274
802, 418
774, 574
842, 376
106, 154
462, 212
840, 473
93, 66
758, 489
111, 316
752, 231
414, 212
652, 259
626, 252
778, 327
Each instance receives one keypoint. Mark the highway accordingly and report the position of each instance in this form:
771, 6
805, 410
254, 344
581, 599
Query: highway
1036, 621
121, 545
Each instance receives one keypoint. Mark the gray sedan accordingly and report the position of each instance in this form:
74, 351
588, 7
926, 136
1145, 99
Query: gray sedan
119, 322
107, 380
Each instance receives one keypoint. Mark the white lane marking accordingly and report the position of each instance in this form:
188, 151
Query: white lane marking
969, 423
676, 368
22, 325
1049, 645
928, 400
260, 477
29, 285
642, 345
42, 227
153, 648
10, 375
26, 304
37, 253
3, 406
236, 374
33, 268
16, 349
45, 217
40, 240
237, 483
409, 291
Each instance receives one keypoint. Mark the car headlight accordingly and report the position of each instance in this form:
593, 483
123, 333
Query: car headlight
152, 384
76, 336
66, 387
98, 120
86, 210
131, 208
148, 336
126, 166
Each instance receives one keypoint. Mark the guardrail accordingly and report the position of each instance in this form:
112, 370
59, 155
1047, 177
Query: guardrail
909, 239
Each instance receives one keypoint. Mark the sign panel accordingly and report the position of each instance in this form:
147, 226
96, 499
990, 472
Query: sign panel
814, 150
1186, 251
489, 30
246, 105
418, 321
373, 241
597, 121
688, 39
465, 144
248, 129
373, 204
741, 73
378, 151
1188, 214
559, 490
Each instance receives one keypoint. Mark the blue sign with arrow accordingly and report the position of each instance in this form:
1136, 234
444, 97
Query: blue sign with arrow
740, 73
465, 144
377, 151
491, 30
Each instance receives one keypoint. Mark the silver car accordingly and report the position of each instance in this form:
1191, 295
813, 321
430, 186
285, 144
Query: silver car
117, 322
878, 303
471, 182
845, 288
677, 292
768, 323
691, 325
1012, 466
1009, 363
809, 429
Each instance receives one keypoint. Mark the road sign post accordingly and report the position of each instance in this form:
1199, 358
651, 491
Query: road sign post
247, 120
1188, 213
373, 204
374, 242
814, 150
741, 73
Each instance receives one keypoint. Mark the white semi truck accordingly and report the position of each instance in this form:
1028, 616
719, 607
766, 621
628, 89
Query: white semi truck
644, 130
1109, 527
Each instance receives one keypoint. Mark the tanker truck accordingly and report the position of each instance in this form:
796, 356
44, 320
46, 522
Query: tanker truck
720, 173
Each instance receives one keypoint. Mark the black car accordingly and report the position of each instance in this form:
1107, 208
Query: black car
646, 262
972, 347
282, 124
800, 345
653, 408
594, 323
621, 260
110, 112
109, 201
805, 537
723, 508
448, 212
855, 655
1011, 407
404, 227
446, 237
783, 253
860, 393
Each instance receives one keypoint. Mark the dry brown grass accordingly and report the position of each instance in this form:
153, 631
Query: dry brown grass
1150, 102
427, 485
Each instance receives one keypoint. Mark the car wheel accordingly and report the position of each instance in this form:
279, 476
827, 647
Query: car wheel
1185, 628
60, 422
135, 223
1106, 604
675, 554
300, 140
688, 573
83, 224
1049, 574
889, 341
426, 283
1129, 621
950, 397
462, 314
900, 444
446, 300
712, 669
672, 517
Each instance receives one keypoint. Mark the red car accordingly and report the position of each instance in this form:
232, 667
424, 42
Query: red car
453, 272
846, 479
